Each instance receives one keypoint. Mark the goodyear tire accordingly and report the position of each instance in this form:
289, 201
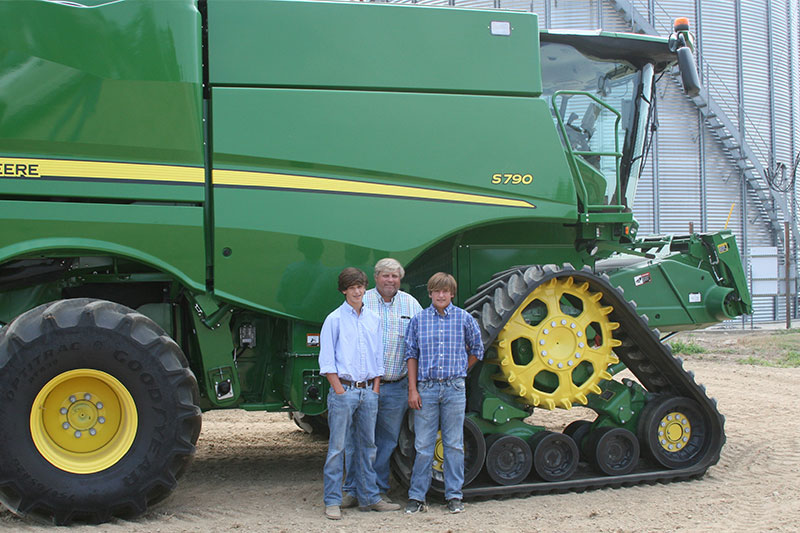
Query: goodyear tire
98, 411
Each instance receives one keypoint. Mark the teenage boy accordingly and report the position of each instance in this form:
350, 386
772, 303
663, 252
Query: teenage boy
442, 343
351, 358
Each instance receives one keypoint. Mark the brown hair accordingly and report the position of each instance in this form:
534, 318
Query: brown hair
351, 276
441, 281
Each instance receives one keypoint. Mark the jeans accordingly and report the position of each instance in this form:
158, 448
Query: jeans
356, 409
443, 405
392, 406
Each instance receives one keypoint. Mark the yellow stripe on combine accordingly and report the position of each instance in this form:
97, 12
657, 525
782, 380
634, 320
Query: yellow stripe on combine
309, 183
64, 168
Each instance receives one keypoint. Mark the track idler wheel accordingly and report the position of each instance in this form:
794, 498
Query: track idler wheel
402, 461
508, 460
673, 431
578, 430
613, 451
555, 455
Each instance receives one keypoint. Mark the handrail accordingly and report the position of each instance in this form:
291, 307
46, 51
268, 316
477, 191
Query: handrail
576, 175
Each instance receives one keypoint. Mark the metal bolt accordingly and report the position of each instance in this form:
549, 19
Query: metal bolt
549, 361
685, 439
72, 399
563, 321
569, 363
573, 325
87, 396
553, 323
92, 432
579, 334
501, 407
65, 425
545, 331
560, 365
620, 408
541, 341
101, 420
99, 405
679, 445
581, 345
577, 356
63, 410
77, 434
663, 441
544, 352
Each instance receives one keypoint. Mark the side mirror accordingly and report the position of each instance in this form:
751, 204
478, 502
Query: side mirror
689, 75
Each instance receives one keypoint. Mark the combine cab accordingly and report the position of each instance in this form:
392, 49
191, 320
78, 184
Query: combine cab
182, 181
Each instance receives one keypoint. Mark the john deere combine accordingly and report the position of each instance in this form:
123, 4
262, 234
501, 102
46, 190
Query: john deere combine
181, 182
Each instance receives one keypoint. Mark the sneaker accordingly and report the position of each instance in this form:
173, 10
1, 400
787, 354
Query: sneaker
332, 512
381, 506
415, 506
348, 501
455, 505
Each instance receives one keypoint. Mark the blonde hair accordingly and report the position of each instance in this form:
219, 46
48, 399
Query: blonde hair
442, 281
388, 264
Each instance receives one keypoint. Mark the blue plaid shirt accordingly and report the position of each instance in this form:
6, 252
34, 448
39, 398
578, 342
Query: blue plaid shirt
442, 344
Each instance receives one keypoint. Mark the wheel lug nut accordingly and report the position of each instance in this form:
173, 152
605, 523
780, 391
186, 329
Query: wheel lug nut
77, 434
92, 432
579, 334
560, 365
563, 321
581, 345
87, 396
65, 425
99, 405
541, 341
577, 356
63, 410
569, 363
544, 352
101, 420
549, 361
573, 325
553, 323
545, 331
72, 399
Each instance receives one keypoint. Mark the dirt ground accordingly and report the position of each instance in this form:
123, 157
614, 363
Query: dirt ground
259, 472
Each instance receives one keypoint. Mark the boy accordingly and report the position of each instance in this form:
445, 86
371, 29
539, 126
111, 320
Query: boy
442, 343
351, 357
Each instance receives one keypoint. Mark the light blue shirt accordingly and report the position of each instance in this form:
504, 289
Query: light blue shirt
351, 344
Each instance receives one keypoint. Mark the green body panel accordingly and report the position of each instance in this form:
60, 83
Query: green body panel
167, 238
138, 101
290, 44
343, 135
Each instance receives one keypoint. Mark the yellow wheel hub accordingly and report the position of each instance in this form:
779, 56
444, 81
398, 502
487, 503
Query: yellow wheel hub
83, 421
438, 453
674, 431
560, 327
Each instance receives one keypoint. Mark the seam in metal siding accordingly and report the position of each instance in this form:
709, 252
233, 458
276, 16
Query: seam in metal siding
575, 14
678, 163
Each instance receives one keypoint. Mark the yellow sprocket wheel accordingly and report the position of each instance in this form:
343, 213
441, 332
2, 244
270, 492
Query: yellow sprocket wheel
561, 335
83, 421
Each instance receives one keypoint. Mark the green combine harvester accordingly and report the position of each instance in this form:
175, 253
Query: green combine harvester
181, 182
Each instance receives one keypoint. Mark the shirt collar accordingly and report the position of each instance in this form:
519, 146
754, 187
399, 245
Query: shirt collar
446, 309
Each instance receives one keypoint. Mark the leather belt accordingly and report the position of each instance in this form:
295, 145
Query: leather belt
356, 384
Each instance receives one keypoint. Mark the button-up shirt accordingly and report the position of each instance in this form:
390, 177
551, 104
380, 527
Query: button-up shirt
395, 317
350, 344
442, 343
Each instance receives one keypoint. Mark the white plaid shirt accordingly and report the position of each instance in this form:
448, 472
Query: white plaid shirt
395, 317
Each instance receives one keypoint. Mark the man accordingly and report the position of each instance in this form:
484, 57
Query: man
396, 309
442, 344
351, 358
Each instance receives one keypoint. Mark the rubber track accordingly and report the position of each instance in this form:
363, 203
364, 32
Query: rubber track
642, 352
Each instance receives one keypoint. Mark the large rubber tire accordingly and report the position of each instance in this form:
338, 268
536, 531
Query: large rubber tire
315, 425
63, 352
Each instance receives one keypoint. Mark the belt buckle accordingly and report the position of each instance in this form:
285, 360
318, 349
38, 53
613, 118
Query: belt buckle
360, 384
